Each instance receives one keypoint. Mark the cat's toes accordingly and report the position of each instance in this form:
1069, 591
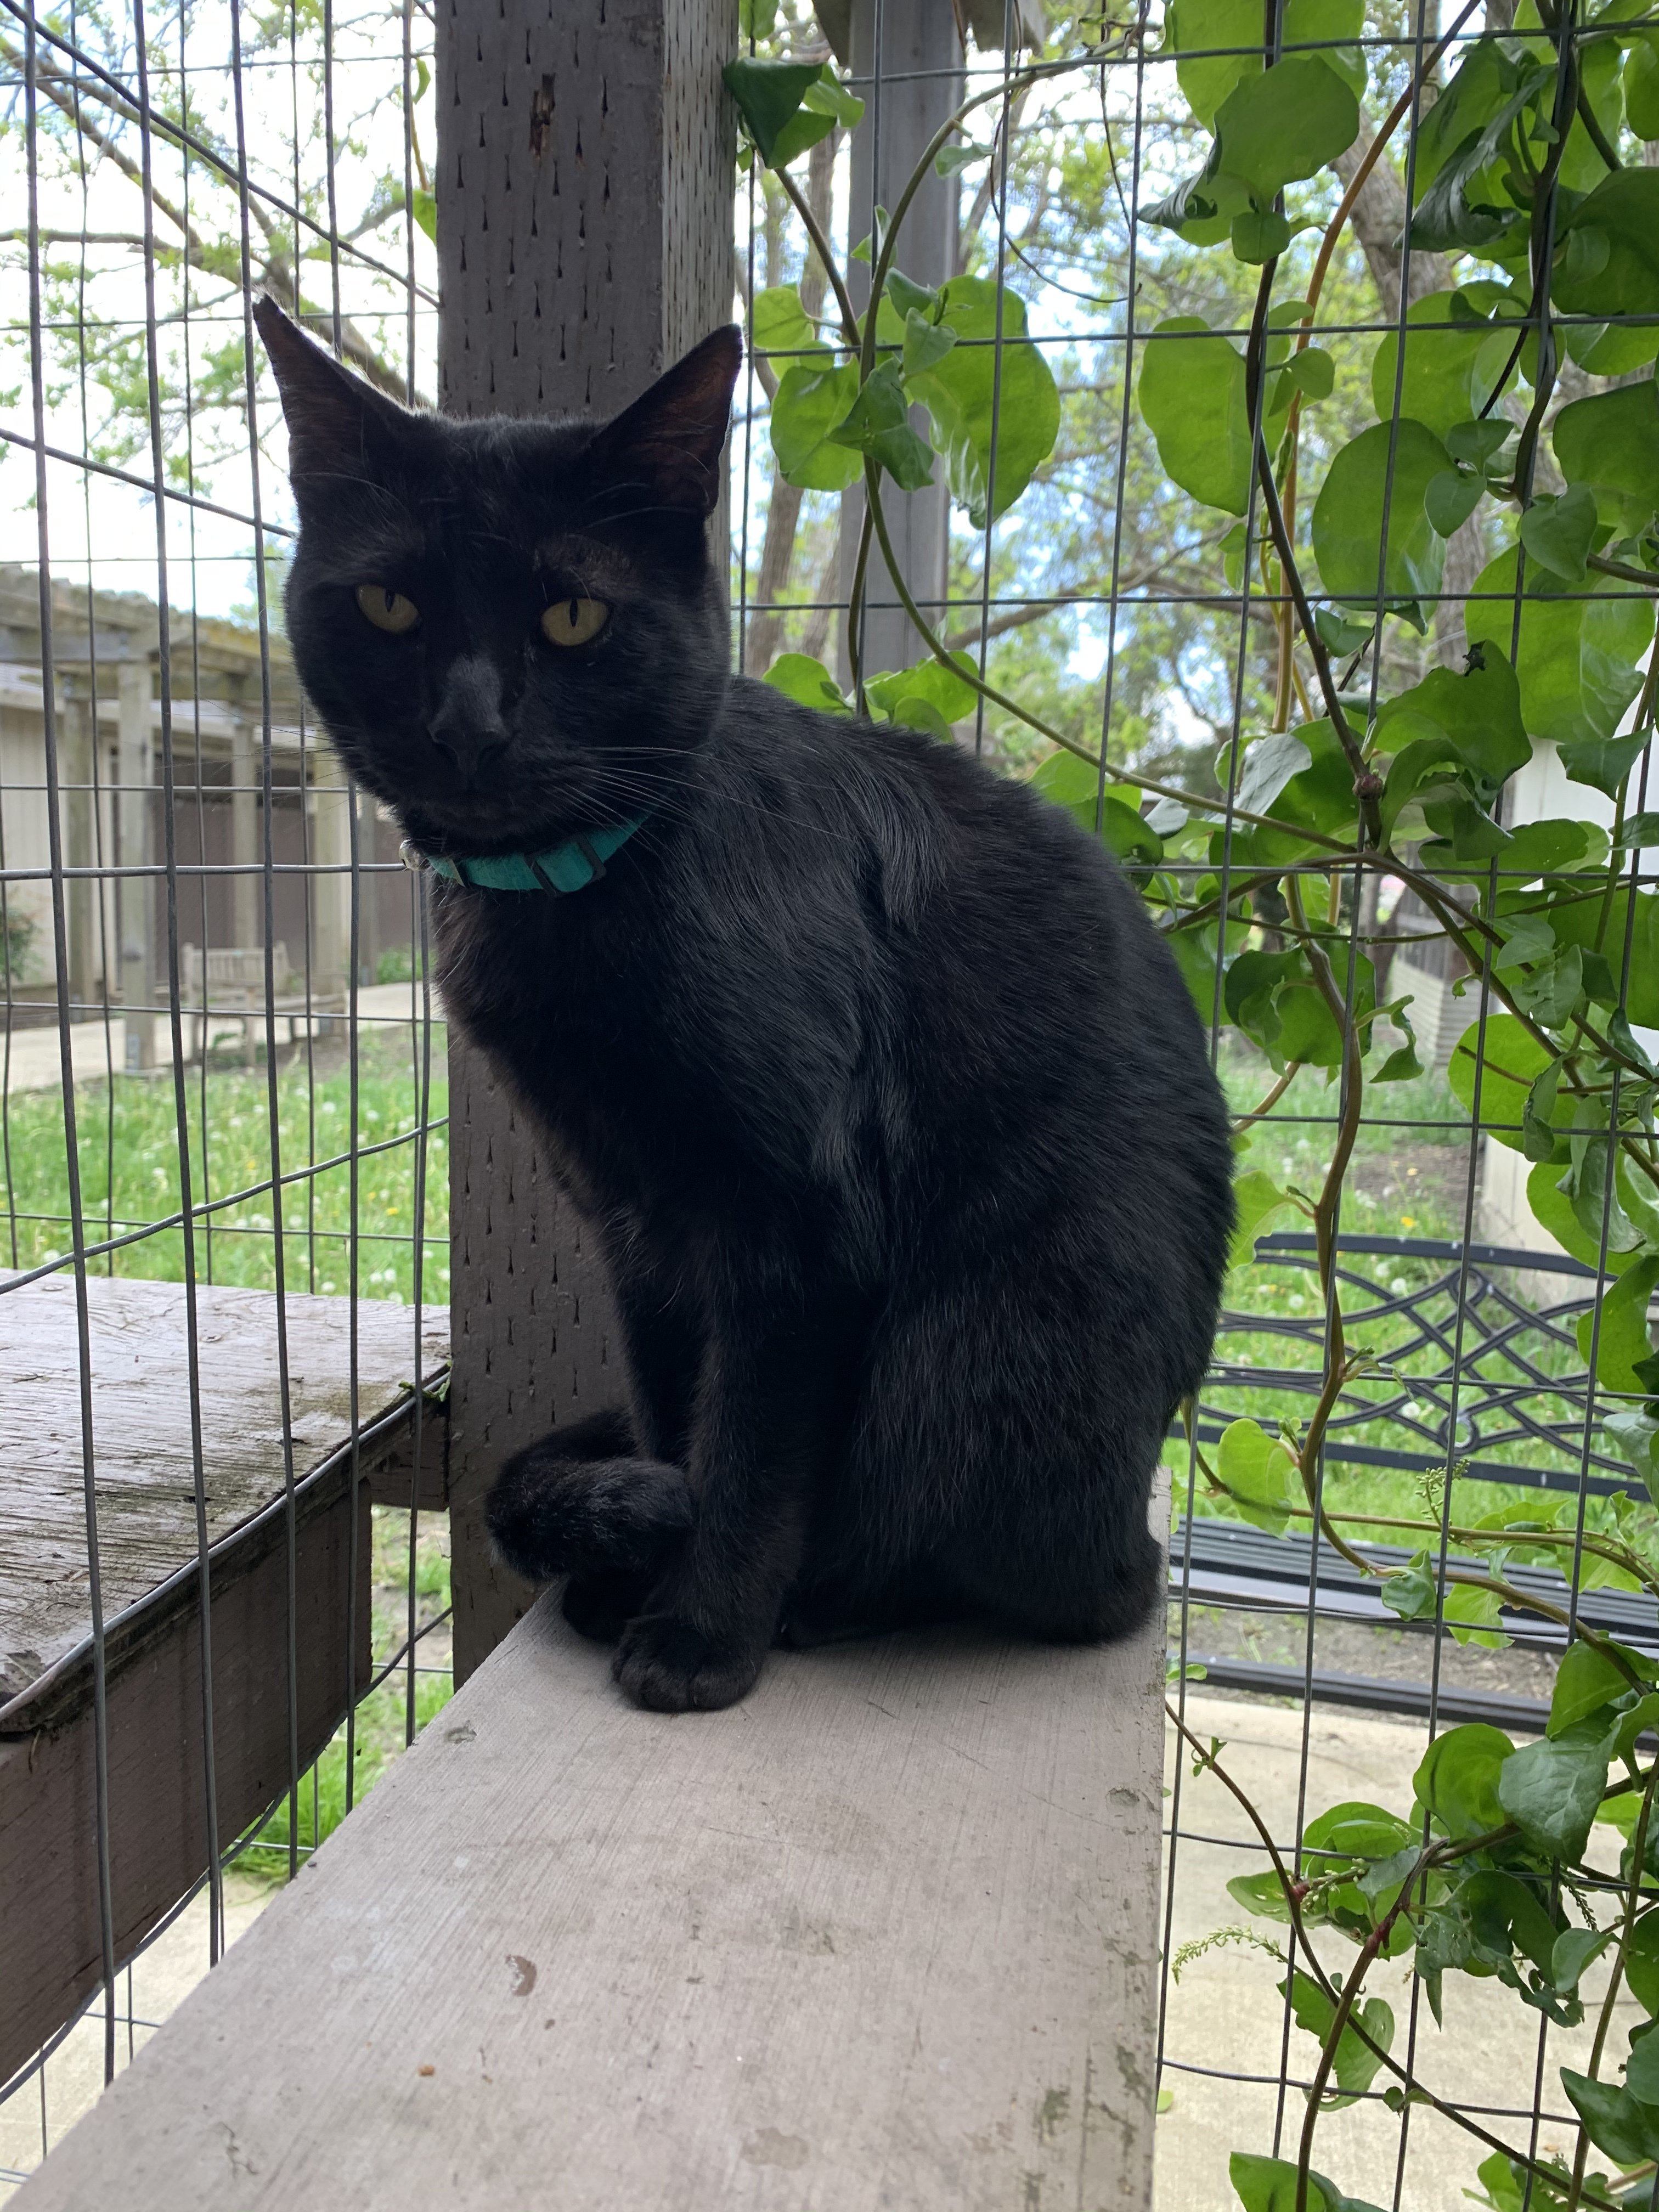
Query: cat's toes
601, 1604
669, 1667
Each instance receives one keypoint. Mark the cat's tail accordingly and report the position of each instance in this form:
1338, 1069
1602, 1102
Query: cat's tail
581, 1502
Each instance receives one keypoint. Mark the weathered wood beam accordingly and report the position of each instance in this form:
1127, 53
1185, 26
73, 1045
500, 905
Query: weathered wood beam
584, 186
883, 1935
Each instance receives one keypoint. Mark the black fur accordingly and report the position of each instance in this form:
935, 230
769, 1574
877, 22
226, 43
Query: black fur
892, 1110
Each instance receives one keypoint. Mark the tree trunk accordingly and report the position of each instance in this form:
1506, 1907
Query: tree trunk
1379, 217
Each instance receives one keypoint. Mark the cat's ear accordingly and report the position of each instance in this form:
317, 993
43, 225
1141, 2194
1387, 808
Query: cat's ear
337, 424
669, 442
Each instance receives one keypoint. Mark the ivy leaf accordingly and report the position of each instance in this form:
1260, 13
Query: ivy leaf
1312, 371
879, 423
1578, 923
1553, 988
1192, 395
1634, 1435
1357, 1830
1355, 2064
951, 159
1252, 983
1451, 499
963, 391
1269, 763
1513, 1060
1585, 1681
1259, 1474
1642, 88
1642, 1959
425, 209
779, 324
1258, 1202
1402, 1062
808, 681
1641, 2067
1538, 1136
1478, 442
1262, 1894
1457, 1778
1622, 1339
1285, 125
1349, 514
768, 95
1541, 848
1308, 1030
1605, 764
1258, 237
1580, 651
1551, 1789
1473, 1614
1339, 634
1639, 829
1415, 1592
1610, 442
1454, 360
1574, 1950
1478, 709
907, 296
1528, 937
1269, 2185
1448, 217
1200, 33
926, 343
1615, 2121
1075, 785
951, 696
1560, 532
1625, 209
811, 404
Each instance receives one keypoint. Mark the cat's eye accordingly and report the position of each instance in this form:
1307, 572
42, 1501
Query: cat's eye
574, 622
387, 609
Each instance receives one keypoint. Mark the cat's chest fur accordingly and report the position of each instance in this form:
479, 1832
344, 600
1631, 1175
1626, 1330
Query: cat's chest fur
650, 1043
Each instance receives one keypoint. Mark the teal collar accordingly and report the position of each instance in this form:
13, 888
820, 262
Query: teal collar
567, 867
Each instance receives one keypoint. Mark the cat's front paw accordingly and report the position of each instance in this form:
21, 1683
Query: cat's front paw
669, 1667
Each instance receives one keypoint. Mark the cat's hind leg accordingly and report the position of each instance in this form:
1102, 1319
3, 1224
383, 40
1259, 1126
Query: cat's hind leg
1009, 1434
583, 1502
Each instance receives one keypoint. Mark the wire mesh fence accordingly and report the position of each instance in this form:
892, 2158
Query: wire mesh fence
1254, 443
223, 1111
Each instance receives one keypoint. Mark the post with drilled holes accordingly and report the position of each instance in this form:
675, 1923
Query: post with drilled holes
584, 188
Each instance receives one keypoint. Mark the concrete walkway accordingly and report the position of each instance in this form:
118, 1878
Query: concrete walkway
36, 1062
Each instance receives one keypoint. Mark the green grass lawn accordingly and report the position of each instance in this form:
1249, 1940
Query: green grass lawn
128, 1148
379, 1725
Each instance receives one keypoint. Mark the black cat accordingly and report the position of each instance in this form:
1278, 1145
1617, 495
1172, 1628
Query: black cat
893, 1112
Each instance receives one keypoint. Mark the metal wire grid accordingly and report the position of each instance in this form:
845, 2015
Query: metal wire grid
145, 413
1471, 1317
1129, 83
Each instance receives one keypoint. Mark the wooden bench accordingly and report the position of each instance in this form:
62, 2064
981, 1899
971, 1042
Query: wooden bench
226, 985
143, 1467
883, 1936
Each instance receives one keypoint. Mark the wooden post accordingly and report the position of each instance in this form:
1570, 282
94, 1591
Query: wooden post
74, 744
920, 68
330, 846
584, 187
135, 904
246, 891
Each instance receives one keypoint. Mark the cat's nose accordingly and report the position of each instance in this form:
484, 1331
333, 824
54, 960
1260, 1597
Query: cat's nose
468, 725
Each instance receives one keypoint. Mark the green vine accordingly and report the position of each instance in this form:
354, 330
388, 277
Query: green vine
1525, 170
